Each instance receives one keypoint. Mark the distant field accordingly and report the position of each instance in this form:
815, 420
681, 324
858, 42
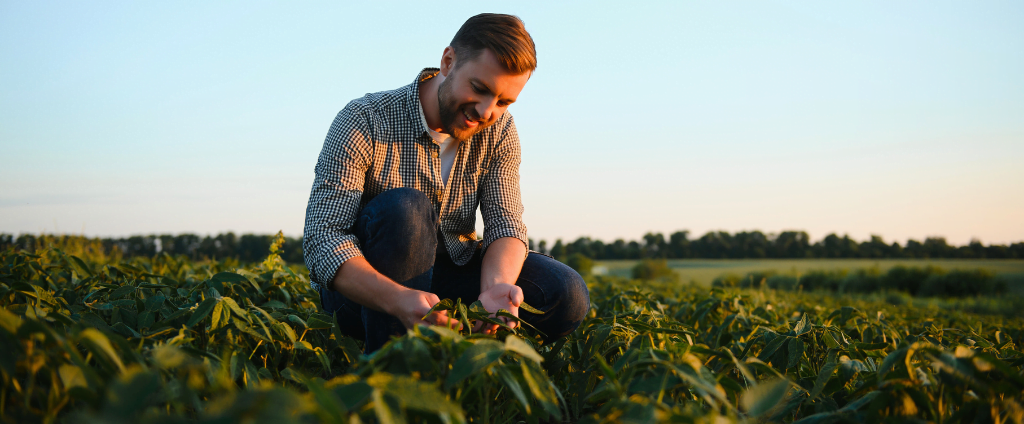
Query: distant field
703, 271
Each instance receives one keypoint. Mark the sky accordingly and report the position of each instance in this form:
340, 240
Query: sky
901, 119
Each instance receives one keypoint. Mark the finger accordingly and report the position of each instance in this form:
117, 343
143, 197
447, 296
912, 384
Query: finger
515, 294
511, 323
442, 319
431, 298
492, 329
477, 325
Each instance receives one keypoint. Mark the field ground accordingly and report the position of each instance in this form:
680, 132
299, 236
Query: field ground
703, 271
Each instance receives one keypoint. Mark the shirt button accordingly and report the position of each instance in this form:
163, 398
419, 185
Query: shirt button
439, 193
434, 153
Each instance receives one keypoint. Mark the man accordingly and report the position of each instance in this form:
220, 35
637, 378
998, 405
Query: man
390, 224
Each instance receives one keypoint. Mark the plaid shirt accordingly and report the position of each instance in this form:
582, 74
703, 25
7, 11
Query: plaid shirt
378, 142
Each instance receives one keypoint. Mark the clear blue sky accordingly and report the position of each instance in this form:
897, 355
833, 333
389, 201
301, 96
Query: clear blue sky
903, 119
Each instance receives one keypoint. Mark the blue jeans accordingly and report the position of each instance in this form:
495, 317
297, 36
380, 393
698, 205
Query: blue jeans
398, 235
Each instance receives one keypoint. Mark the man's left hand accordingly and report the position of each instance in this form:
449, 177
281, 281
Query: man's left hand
500, 296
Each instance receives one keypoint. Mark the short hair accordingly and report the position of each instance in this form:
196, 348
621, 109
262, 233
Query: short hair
503, 35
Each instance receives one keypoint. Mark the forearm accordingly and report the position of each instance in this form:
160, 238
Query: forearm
357, 280
502, 262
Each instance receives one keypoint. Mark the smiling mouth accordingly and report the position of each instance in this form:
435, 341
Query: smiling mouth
469, 122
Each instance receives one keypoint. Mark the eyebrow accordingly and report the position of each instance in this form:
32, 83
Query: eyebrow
487, 88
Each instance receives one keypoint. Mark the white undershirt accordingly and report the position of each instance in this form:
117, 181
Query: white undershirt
449, 147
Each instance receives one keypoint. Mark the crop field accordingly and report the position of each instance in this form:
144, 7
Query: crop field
704, 271
96, 339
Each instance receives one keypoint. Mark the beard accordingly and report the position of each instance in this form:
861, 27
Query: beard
451, 112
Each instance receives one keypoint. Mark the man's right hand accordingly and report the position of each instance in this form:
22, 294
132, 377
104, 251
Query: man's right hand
358, 281
410, 306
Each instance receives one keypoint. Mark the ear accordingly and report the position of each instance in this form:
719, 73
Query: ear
447, 61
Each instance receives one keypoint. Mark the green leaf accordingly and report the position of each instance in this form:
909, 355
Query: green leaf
80, 264
541, 388
316, 323
796, 352
414, 394
202, 311
825, 374
72, 376
889, 362
513, 385
227, 277
770, 349
802, 327
239, 312
153, 302
515, 344
387, 409
220, 316
99, 344
477, 357
763, 397
526, 307
121, 292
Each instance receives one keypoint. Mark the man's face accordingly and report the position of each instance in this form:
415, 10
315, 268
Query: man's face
475, 94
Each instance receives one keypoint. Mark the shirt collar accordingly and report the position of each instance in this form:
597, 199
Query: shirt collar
414, 97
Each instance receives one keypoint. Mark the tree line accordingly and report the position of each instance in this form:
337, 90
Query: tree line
678, 245
757, 245
247, 248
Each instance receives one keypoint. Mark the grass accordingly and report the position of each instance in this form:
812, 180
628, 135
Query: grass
703, 271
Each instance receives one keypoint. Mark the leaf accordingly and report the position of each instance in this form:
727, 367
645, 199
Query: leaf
227, 277
796, 352
515, 344
771, 347
763, 397
477, 357
100, 346
82, 266
824, 375
802, 326
72, 376
153, 303
121, 292
513, 385
889, 362
414, 394
220, 316
202, 311
239, 312
124, 330
274, 304
387, 409
541, 388
316, 323
526, 307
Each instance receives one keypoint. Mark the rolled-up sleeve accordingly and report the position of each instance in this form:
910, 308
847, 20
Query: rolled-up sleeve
334, 200
501, 203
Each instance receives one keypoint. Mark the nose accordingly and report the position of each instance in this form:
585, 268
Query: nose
486, 110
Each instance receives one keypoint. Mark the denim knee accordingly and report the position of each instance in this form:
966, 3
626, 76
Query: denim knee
573, 299
566, 300
406, 208
397, 232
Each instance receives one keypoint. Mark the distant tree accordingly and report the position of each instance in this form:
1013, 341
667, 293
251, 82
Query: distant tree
580, 263
651, 269
679, 245
654, 245
558, 251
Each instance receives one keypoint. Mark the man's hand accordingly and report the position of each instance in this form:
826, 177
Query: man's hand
500, 296
409, 306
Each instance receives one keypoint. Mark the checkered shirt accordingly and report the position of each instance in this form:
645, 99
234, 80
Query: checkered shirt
378, 142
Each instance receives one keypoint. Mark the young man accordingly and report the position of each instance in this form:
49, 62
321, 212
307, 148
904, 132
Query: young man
390, 224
